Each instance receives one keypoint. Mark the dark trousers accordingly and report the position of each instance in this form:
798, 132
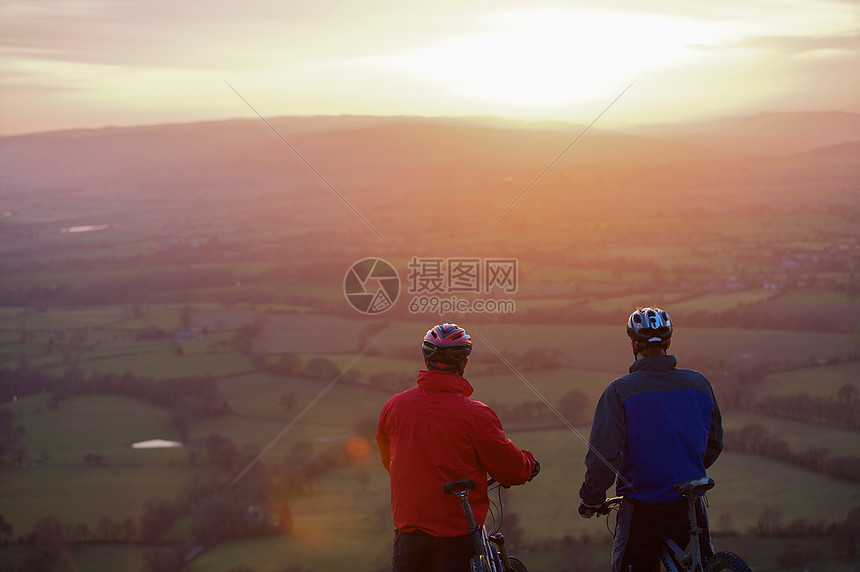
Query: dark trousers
642, 528
420, 552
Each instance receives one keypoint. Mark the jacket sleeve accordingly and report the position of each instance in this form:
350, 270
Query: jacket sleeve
501, 458
605, 447
715, 436
382, 439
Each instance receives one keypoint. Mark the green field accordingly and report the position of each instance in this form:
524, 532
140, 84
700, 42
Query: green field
78, 494
510, 389
99, 424
746, 485
816, 297
721, 302
816, 381
624, 305
162, 363
608, 348
369, 365
800, 436
310, 333
103, 557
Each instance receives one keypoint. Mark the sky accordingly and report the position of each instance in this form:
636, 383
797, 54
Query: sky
96, 63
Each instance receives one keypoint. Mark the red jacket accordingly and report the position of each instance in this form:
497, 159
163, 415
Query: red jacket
435, 433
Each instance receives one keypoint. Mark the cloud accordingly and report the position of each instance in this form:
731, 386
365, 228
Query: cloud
794, 45
163, 58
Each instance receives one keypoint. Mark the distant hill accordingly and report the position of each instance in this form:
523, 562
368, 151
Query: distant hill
767, 133
246, 153
377, 158
849, 152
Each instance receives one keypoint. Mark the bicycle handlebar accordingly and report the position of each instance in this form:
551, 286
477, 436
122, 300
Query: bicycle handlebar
491, 481
608, 504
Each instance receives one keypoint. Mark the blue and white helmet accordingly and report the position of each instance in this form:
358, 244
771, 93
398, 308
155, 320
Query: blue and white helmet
649, 325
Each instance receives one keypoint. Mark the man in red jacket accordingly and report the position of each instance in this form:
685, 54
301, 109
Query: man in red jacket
435, 433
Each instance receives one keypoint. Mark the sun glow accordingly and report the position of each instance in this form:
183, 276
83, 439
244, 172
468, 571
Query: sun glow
555, 58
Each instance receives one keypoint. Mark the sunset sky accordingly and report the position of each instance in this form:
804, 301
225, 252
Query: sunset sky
94, 63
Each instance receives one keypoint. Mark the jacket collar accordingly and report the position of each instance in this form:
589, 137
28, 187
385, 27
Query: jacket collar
654, 363
439, 381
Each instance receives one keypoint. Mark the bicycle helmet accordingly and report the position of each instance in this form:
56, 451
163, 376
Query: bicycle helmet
649, 325
445, 346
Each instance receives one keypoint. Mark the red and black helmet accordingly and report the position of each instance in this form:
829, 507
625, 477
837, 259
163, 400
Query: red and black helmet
649, 325
446, 346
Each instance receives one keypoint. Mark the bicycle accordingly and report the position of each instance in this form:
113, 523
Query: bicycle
491, 554
689, 559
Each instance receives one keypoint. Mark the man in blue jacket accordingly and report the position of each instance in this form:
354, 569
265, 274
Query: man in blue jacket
655, 427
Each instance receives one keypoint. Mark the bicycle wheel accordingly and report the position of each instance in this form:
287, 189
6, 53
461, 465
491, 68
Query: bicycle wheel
518, 566
477, 564
727, 562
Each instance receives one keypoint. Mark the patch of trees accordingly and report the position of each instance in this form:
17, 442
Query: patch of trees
842, 412
243, 338
190, 398
24, 380
94, 459
12, 448
572, 406
530, 359
198, 394
50, 536
731, 382
113, 290
318, 368
753, 438
845, 534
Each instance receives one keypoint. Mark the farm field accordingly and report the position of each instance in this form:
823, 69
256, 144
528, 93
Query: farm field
800, 436
207, 307
822, 381
746, 485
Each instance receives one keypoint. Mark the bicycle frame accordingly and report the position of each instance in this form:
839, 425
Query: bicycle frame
674, 558
691, 557
490, 548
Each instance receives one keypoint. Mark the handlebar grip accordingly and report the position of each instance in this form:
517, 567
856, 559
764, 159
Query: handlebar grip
608, 504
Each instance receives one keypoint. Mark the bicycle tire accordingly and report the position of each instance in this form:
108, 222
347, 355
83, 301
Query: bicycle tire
666, 563
518, 566
727, 562
476, 564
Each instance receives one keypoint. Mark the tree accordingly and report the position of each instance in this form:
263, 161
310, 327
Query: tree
322, 368
5, 527
288, 400
846, 536
221, 452
572, 406
128, 530
186, 317
769, 521
217, 519
108, 530
287, 364
847, 392
158, 519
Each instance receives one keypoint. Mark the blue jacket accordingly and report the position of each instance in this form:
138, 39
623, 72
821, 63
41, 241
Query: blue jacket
657, 426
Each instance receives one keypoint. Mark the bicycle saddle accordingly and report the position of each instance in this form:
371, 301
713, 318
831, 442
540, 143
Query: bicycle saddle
454, 487
698, 485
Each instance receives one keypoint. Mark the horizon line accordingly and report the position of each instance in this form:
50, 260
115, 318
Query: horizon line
462, 118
